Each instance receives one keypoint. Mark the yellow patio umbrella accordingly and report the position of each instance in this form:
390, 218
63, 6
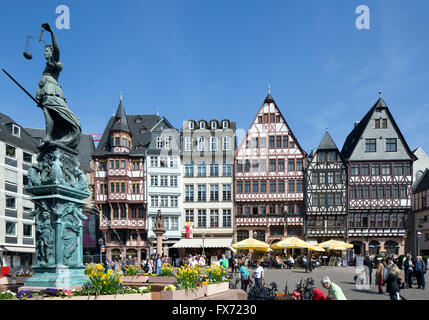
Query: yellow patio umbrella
335, 245
251, 243
291, 243
316, 248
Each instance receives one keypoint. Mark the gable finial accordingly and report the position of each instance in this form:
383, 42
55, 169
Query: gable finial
157, 112
269, 89
120, 95
379, 93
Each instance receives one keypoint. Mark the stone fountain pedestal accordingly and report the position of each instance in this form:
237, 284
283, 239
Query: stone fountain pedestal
58, 190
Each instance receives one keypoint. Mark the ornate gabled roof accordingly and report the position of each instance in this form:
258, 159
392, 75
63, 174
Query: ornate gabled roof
120, 122
140, 134
423, 182
327, 143
354, 136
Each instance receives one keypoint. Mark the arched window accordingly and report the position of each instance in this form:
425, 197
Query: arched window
358, 247
374, 247
391, 247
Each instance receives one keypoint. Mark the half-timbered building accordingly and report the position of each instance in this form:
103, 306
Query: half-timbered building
120, 182
326, 203
269, 195
380, 178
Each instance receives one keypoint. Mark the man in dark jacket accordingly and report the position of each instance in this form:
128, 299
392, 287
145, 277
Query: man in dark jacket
409, 270
420, 270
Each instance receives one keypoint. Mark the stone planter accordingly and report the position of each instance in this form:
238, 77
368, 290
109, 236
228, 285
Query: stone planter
217, 288
192, 294
21, 279
135, 280
163, 279
118, 297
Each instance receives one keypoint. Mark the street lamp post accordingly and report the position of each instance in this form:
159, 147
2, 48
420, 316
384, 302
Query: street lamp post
101, 243
418, 235
204, 236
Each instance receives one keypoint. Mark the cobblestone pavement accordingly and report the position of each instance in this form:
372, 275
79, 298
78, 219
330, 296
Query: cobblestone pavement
343, 276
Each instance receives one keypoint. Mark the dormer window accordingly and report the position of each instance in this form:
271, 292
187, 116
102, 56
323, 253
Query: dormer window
202, 125
190, 125
225, 124
214, 125
159, 142
16, 130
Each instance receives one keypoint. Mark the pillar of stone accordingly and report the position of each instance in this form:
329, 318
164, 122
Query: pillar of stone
58, 190
159, 233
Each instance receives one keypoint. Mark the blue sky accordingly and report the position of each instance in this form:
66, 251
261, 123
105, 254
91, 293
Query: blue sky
205, 59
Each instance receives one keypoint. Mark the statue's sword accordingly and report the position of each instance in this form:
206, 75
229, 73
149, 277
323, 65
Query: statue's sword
34, 99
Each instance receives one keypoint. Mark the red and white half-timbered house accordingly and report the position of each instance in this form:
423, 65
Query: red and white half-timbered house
120, 183
269, 179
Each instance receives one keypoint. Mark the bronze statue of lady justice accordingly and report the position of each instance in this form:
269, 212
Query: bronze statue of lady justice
62, 125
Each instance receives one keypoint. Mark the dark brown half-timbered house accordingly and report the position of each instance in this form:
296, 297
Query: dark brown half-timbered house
119, 183
269, 195
380, 178
326, 203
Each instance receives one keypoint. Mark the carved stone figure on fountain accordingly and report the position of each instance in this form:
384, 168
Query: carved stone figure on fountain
45, 237
70, 239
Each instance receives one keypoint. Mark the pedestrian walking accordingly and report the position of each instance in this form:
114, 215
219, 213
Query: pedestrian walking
369, 267
243, 274
334, 290
224, 262
379, 275
420, 270
409, 271
393, 282
258, 274
158, 264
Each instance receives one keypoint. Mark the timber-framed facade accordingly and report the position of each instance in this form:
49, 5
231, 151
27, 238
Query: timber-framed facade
269, 180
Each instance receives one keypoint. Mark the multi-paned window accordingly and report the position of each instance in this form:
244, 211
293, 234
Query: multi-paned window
202, 193
189, 215
214, 192
202, 218
189, 169
226, 218
391, 145
214, 218
226, 192
370, 145
189, 192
